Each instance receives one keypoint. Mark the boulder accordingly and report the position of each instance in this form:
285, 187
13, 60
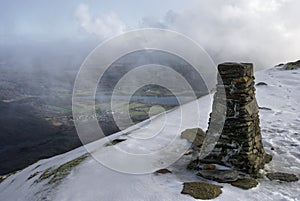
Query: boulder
245, 183
280, 176
202, 190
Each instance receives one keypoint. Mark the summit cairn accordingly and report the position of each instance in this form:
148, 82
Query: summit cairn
240, 143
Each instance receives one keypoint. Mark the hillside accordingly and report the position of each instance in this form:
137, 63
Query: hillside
77, 176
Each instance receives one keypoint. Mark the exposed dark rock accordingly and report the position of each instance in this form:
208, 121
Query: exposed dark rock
194, 165
268, 158
163, 171
245, 183
222, 176
115, 141
201, 190
33, 175
261, 84
280, 176
264, 108
291, 65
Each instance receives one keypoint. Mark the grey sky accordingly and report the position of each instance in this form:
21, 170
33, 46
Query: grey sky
57, 19
265, 32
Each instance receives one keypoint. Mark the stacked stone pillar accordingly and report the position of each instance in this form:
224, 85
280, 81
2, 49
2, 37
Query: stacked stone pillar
235, 117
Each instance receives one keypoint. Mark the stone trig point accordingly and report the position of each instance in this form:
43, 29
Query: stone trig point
235, 117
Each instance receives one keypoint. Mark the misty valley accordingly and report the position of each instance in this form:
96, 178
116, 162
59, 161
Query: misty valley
36, 119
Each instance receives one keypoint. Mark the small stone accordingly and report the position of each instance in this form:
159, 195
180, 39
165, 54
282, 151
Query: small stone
202, 190
265, 108
268, 158
209, 167
246, 183
114, 142
280, 176
261, 84
163, 171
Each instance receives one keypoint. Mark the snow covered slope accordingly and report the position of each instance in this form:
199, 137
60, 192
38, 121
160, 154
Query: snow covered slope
76, 177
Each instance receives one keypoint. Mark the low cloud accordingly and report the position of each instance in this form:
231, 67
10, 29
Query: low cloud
106, 25
263, 32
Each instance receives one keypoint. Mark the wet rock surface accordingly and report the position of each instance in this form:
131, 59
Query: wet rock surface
201, 190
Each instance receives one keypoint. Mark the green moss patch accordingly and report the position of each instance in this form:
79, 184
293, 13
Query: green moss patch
56, 175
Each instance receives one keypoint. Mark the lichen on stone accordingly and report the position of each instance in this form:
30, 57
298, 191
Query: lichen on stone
245, 183
280, 176
201, 190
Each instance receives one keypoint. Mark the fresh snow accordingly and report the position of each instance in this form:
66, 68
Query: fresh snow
92, 181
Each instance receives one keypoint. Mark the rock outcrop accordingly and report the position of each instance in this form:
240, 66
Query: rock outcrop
291, 65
